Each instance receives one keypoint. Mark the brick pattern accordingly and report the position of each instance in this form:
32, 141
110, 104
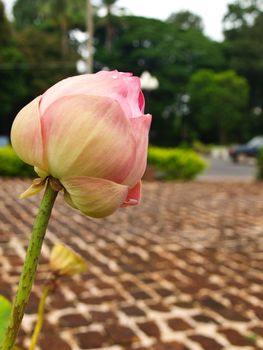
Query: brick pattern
183, 271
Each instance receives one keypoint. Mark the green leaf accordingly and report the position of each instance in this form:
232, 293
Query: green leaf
5, 310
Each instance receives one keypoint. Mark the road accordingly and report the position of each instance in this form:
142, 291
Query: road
225, 169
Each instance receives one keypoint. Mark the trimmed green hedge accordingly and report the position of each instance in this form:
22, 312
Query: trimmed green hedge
11, 165
176, 163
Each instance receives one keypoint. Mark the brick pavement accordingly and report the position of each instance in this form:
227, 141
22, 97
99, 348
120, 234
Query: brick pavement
183, 271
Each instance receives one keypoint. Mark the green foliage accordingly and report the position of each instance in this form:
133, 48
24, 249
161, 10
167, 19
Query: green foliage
171, 50
186, 20
5, 310
44, 50
218, 102
39, 54
6, 30
12, 80
11, 165
167, 52
260, 165
45, 64
40, 13
243, 47
176, 164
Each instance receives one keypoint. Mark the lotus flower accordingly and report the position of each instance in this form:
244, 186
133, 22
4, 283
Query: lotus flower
89, 134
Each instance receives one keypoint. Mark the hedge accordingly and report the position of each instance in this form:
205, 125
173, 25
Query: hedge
11, 165
175, 163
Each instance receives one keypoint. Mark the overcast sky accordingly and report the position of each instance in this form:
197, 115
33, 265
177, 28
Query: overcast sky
211, 11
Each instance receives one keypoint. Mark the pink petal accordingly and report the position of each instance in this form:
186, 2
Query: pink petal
26, 135
76, 85
141, 102
135, 96
88, 136
122, 87
140, 127
134, 196
94, 197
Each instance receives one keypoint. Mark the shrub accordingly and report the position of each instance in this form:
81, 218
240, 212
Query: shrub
11, 165
176, 163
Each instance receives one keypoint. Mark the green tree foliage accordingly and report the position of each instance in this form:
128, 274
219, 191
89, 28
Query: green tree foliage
186, 20
36, 52
51, 16
44, 63
12, 79
44, 13
244, 51
172, 50
43, 36
218, 103
166, 51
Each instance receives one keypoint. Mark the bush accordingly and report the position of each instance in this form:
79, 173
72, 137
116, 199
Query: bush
11, 165
176, 163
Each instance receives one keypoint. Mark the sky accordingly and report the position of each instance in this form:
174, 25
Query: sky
211, 11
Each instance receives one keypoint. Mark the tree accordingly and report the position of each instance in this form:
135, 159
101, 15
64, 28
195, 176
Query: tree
47, 15
43, 36
171, 50
167, 52
186, 20
218, 103
241, 14
109, 26
243, 49
44, 65
12, 78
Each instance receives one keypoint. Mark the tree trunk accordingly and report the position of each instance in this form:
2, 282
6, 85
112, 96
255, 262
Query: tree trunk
90, 33
64, 37
109, 29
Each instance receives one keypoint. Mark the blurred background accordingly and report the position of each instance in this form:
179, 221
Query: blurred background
201, 61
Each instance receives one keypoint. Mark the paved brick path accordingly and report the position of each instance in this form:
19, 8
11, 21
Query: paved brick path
183, 271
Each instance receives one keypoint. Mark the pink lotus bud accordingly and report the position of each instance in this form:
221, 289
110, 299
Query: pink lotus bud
89, 132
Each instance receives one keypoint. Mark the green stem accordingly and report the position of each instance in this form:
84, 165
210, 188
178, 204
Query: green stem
40, 318
29, 268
